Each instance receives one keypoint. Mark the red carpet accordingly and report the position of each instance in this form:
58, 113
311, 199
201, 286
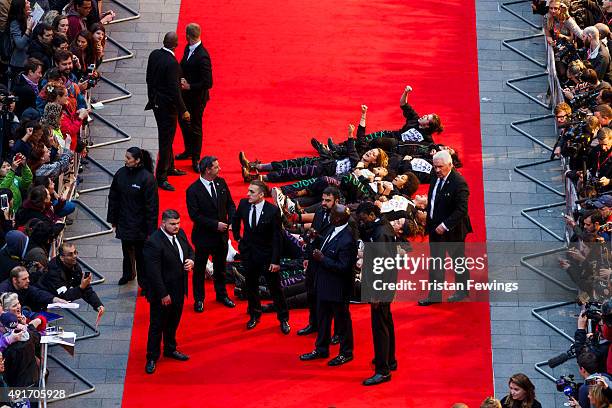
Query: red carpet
285, 71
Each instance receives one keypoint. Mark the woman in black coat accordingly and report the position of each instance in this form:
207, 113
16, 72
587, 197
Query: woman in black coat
133, 207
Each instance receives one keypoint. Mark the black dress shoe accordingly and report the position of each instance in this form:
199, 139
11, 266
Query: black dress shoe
164, 185
335, 339
176, 172
226, 301
306, 330
252, 323
339, 360
457, 296
177, 355
195, 167
313, 355
284, 326
150, 367
182, 156
428, 302
198, 306
123, 281
377, 379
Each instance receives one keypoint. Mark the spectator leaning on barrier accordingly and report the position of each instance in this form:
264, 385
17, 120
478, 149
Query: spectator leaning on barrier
30, 296
66, 279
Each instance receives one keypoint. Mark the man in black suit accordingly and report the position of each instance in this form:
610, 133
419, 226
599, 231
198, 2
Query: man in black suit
377, 229
260, 248
168, 257
334, 279
211, 208
196, 81
163, 89
321, 226
448, 223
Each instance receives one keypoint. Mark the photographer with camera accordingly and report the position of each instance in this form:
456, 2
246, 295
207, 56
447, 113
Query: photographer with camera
599, 163
588, 365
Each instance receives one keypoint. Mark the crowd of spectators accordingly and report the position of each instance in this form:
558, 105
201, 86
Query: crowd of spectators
50, 51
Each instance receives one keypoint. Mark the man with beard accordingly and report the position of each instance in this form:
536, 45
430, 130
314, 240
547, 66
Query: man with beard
63, 60
333, 263
321, 225
597, 53
377, 229
599, 161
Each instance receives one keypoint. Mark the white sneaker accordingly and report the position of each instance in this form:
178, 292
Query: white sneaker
279, 197
290, 206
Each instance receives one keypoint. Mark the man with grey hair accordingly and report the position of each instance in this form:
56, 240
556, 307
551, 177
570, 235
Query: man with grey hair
597, 53
448, 223
196, 80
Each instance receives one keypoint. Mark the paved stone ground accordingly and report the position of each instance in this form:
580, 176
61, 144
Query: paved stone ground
519, 340
103, 359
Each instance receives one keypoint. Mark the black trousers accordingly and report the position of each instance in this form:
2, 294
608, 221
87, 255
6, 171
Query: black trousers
440, 249
383, 335
311, 298
166, 128
163, 322
192, 130
133, 260
219, 254
253, 271
339, 311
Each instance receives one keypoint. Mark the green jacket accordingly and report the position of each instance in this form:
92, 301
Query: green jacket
17, 185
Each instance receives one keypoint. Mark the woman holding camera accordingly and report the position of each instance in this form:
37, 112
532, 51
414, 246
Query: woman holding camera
521, 393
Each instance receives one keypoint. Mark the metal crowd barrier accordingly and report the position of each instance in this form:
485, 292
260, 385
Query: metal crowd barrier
107, 228
571, 198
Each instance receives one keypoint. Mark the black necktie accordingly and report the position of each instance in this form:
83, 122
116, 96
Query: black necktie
440, 182
213, 192
326, 218
176, 247
253, 216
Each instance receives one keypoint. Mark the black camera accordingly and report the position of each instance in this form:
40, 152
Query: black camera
91, 77
8, 99
565, 51
567, 385
593, 311
584, 99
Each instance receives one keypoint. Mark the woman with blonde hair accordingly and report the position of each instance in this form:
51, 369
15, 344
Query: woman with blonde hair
491, 402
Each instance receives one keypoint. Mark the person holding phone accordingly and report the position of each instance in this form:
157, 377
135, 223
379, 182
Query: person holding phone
66, 280
17, 184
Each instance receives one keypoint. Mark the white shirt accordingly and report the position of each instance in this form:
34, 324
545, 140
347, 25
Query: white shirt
258, 210
177, 242
169, 50
208, 185
192, 49
335, 232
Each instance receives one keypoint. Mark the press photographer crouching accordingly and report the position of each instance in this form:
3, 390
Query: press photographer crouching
599, 163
